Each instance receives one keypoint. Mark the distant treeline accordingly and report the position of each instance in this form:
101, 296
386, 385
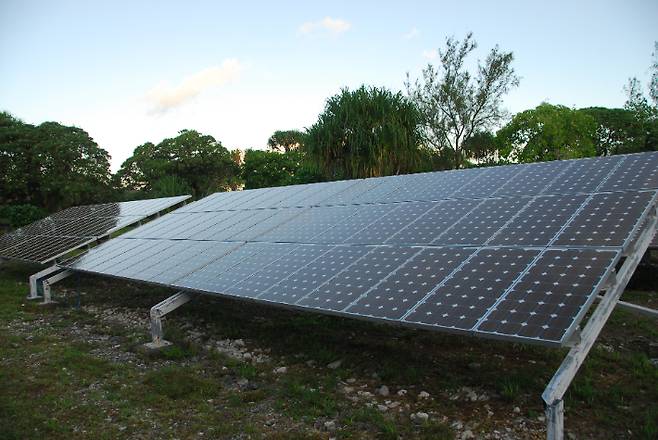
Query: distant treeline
447, 119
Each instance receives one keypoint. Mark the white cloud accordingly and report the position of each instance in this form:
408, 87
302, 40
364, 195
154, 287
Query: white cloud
165, 97
413, 33
430, 54
334, 26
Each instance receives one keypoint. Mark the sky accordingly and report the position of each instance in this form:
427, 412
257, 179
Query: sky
130, 72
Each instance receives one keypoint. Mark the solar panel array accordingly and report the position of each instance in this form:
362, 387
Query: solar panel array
515, 252
47, 239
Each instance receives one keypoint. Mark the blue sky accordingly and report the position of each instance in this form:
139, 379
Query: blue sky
135, 71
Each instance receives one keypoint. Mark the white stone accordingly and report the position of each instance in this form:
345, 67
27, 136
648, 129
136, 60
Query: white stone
423, 395
335, 364
281, 370
383, 391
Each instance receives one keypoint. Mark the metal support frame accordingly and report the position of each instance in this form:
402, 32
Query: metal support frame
158, 311
45, 279
640, 310
553, 395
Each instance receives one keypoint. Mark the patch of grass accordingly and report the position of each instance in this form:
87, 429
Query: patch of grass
436, 431
301, 400
178, 382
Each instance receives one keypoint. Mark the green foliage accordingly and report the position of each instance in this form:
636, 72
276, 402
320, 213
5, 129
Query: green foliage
168, 186
456, 104
51, 165
481, 146
190, 160
367, 132
21, 215
548, 132
617, 132
286, 140
262, 169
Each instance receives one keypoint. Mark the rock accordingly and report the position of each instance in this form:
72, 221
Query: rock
393, 405
383, 391
335, 364
382, 408
243, 382
517, 410
402, 393
571, 435
281, 370
423, 395
351, 380
348, 390
330, 426
474, 365
467, 435
365, 394
420, 417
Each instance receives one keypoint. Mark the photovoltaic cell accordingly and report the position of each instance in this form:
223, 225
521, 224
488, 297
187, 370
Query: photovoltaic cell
409, 284
464, 298
518, 251
358, 278
482, 222
64, 231
539, 221
550, 297
606, 219
302, 282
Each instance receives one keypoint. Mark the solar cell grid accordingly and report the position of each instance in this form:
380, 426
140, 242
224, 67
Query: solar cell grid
539, 221
410, 283
364, 216
637, 171
482, 222
260, 281
358, 278
307, 279
551, 295
606, 219
533, 179
512, 251
64, 231
385, 227
487, 182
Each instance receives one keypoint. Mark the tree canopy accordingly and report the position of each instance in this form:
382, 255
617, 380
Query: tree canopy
286, 140
547, 132
198, 162
366, 132
456, 104
51, 165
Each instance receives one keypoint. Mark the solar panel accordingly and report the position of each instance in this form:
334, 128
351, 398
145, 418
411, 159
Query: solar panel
60, 233
517, 252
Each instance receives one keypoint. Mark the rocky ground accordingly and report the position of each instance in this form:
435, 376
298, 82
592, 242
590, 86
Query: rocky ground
250, 372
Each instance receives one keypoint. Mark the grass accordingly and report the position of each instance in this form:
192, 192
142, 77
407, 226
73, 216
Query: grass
57, 384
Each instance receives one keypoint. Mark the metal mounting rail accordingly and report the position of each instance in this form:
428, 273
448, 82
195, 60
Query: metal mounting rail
554, 393
158, 311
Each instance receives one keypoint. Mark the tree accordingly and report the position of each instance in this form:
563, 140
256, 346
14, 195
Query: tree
617, 131
481, 146
51, 166
364, 133
285, 141
548, 132
455, 104
262, 169
199, 163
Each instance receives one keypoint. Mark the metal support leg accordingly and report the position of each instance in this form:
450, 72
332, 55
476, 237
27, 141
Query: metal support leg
640, 310
555, 421
39, 276
47, 297
555, 390
158, 311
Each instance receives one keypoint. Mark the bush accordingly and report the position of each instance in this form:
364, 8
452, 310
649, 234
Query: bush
21, 215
